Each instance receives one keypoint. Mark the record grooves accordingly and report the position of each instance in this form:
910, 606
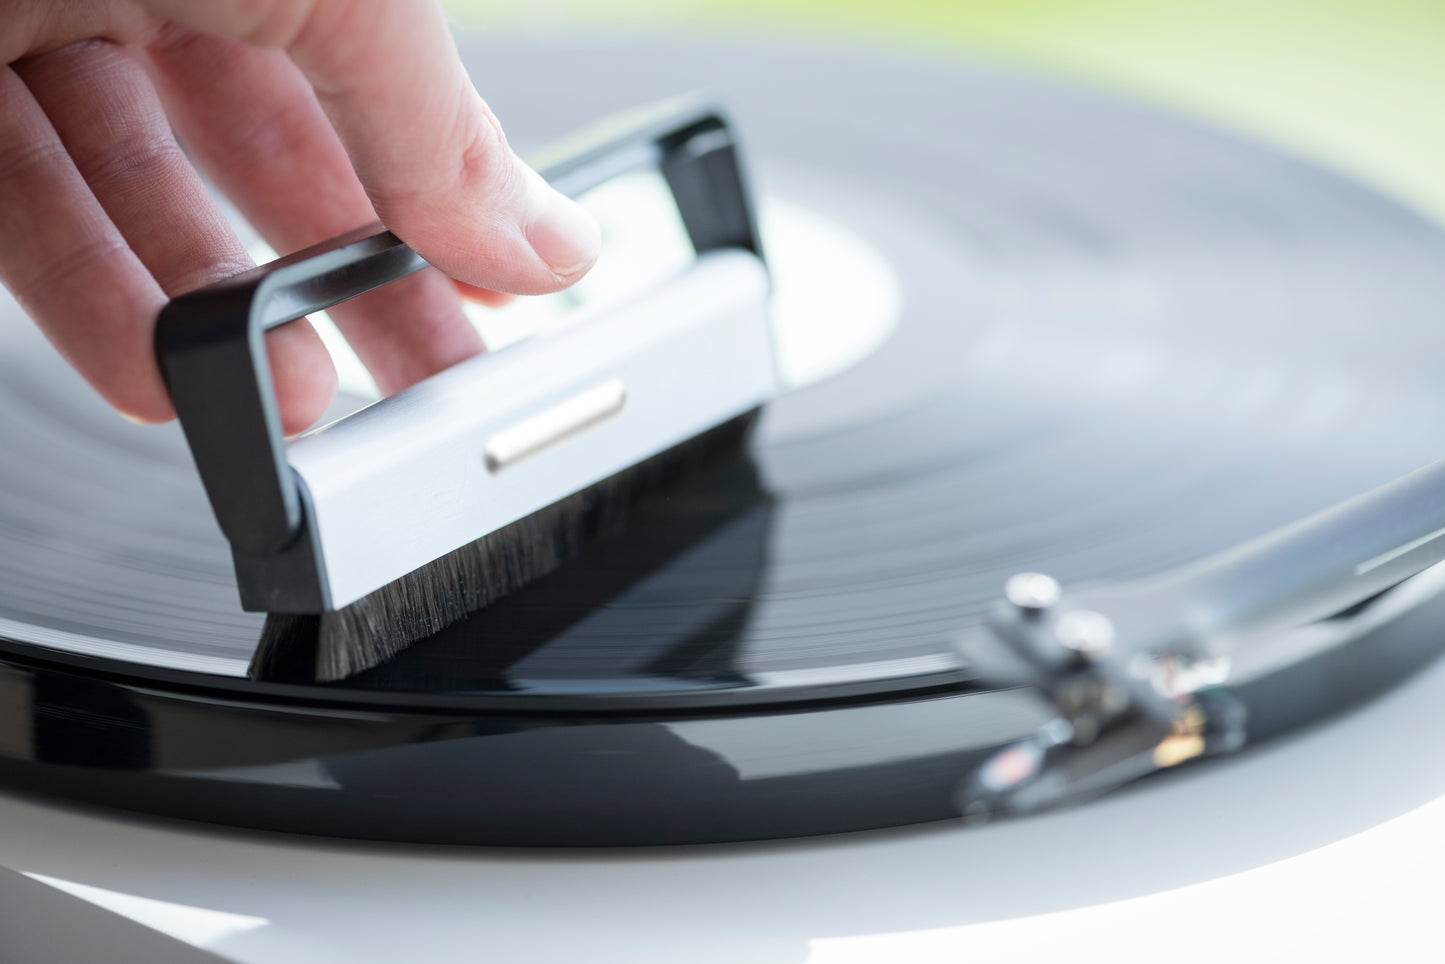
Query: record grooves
1127, 342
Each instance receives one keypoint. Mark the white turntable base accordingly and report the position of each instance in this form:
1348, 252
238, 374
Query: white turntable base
1327, 846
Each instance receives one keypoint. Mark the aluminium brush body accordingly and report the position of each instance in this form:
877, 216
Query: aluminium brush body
401, 518
507, 434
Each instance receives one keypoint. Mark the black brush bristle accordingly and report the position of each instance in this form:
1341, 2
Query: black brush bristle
370, 631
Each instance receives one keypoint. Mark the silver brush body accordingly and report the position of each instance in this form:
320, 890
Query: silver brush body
383, 528
502, 436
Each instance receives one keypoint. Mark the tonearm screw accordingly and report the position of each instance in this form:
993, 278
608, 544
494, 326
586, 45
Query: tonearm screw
1086, 632
1032, 592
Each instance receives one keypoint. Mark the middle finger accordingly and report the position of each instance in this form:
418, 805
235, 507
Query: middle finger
108, 117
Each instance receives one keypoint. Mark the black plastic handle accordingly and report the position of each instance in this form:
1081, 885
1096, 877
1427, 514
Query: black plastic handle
211, 343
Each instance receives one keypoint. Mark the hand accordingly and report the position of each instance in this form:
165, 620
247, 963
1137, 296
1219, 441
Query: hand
315, 117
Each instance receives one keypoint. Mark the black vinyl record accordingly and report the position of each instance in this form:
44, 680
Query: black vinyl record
1126, 341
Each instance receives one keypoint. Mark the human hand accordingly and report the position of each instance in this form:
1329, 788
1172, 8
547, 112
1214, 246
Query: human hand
314, 117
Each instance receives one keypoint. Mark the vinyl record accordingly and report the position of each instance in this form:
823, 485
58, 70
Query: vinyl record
1124, 341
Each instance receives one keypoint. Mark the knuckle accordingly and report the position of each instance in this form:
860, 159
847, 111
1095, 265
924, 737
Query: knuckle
20, 157
138, 155
478, 172
87, 66
486, 161
205, 273
53, 277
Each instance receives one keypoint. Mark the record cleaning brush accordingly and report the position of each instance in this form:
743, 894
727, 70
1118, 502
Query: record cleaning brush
392, 523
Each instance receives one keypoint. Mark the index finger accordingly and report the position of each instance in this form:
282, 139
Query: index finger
431, 154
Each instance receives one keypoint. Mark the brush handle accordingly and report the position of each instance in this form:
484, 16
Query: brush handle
211, 343
212, 351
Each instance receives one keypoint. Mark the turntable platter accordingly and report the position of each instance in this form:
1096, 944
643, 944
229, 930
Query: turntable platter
1126, 341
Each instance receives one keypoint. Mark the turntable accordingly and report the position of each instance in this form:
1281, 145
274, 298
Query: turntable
1085, 338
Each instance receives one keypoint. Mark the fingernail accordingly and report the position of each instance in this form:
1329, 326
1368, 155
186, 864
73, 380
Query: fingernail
562, 233
140, 419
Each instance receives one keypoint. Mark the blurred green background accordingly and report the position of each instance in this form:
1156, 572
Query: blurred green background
1359, 84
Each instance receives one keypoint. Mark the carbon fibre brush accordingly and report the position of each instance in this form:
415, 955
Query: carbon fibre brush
386, 526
